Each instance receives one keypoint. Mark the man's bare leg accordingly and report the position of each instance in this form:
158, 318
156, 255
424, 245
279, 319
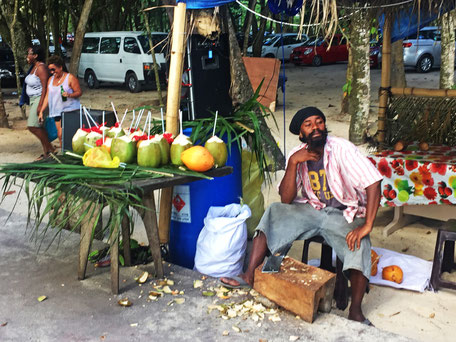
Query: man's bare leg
259, 250
41, 134
358, 285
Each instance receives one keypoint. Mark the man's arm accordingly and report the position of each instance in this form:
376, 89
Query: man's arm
287, 188
354, 237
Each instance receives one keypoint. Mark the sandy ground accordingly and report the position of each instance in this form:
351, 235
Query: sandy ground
421, 316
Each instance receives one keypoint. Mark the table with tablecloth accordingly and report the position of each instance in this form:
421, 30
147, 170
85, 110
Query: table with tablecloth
418, 182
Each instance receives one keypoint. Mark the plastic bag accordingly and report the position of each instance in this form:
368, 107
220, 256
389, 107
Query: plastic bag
220, 249
51, 128
100, 157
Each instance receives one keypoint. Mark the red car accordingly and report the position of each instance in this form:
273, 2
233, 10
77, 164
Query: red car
316, 51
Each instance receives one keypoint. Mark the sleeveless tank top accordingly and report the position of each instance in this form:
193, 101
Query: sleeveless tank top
56, 105
33, 84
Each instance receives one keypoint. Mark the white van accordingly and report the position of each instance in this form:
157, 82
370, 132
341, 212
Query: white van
122, 57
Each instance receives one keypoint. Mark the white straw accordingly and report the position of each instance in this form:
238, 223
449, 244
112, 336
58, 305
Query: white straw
87, 118
103, 126
145, 123
138, 121
215, 122
123, 117
163, 121
150, 119
132, 120
180, 119
90, 116
80, 116
115, 113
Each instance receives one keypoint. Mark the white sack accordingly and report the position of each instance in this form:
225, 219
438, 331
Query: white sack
220, 249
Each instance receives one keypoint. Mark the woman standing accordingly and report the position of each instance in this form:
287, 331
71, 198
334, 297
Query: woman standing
62, 94
36, 90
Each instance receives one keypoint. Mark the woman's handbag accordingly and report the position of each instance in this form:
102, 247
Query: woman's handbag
51, 128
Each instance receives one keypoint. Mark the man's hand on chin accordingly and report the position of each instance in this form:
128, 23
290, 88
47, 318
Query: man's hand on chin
354, 237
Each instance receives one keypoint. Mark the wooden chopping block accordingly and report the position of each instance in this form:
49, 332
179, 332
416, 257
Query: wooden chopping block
297, 287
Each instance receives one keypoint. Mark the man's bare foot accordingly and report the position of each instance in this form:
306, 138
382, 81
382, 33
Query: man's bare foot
235, 283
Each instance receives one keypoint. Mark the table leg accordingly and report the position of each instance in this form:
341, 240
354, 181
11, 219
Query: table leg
151, 226
86, 240
114, 241
126, 240
165, 214
399, 220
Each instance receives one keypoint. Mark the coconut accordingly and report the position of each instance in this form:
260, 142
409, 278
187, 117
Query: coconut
107, 143
218, 149
123, 148
78, 141
91, 140
179, 145
149, 154
137, 133
115, 132
164, 149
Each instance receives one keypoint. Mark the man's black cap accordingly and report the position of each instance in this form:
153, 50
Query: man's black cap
301, 115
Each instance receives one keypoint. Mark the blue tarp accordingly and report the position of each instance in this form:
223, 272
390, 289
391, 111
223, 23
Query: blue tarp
407, 22
199, 4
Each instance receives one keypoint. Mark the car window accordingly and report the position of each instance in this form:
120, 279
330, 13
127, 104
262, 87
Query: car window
131, 45
159, 41
437, 36
90, 45
290, 40
269, 41
6, 56
110, 45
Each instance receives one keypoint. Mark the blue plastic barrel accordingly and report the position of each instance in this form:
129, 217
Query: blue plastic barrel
203, 194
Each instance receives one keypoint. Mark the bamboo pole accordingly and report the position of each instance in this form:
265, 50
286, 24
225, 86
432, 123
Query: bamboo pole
386, 77
172, 107
423, 92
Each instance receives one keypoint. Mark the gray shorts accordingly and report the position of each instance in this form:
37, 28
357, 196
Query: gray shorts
284, 223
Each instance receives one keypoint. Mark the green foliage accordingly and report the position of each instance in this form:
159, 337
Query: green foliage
347, 87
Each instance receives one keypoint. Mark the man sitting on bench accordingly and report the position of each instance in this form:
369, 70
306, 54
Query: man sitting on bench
329, 189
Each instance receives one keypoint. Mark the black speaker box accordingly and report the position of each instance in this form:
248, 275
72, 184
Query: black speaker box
71, 123
210, 76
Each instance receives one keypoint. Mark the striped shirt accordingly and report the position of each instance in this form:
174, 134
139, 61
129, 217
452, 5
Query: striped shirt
348, 174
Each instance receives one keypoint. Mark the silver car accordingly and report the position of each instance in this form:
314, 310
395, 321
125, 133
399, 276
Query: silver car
422, 51
272, 45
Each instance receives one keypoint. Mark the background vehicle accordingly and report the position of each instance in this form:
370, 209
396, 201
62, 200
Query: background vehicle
316, 51
7, 69
122, 57
423, 51
51, 47
272, 46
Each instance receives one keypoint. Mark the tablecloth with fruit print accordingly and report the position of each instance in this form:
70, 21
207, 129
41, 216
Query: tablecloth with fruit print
417, 177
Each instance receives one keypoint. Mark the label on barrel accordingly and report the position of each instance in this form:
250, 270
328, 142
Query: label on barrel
180, 209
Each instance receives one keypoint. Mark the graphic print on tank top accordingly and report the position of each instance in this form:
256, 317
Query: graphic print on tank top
319, 184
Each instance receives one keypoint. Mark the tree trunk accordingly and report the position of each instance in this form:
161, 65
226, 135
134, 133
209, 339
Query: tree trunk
397, 65
53, 13
3, 115
360, 92
169, 10
247, 25
241, 88
79, 37
447, 52
349, 79
259, 38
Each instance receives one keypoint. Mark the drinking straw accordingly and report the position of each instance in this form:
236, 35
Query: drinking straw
180, 119
115, 113
87, 118
132, 120
90, 116
103, 132
145, 123
215, 122
163, 121
80, 116
150, 119
123, 117
139, 118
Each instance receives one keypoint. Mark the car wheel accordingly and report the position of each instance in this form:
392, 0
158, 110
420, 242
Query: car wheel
132, 83
91, 80
424, 64
316, 61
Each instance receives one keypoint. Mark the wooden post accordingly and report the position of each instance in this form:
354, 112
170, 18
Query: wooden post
172, 106
386, 77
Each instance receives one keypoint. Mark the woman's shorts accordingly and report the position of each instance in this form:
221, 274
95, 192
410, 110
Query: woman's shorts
32, 120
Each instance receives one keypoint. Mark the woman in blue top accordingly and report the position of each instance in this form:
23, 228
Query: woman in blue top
63, 92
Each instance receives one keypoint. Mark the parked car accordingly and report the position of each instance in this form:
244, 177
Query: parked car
316, 52
51, 47
7, 69
272, 46
375, 55
422, 51
122, 57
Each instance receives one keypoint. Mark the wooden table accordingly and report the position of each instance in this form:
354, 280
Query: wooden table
150, 223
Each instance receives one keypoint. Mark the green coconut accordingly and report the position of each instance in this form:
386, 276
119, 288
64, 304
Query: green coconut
78, 141
115, 132
123, 148
91, 140
137, 133
218, 150
179, 145
149, 154
164, 149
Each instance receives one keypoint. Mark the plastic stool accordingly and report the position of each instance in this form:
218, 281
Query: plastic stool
443, 259
341, 289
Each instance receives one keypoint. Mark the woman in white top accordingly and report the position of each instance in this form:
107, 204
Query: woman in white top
36, 89
63, 92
